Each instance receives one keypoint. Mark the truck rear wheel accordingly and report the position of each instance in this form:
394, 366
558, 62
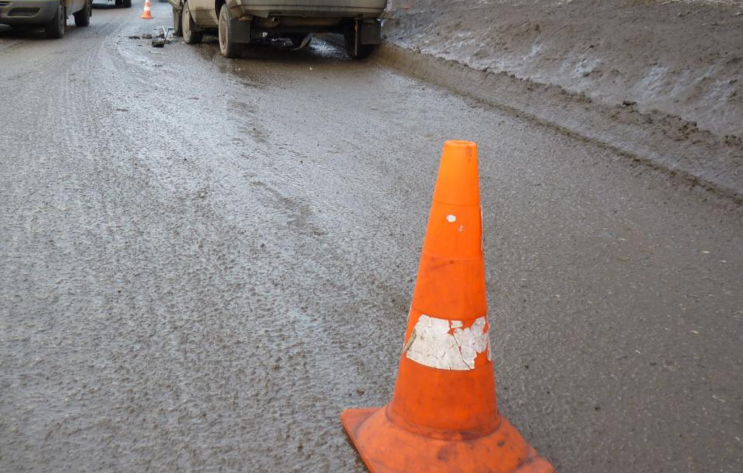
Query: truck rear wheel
227, 45
190, 36
55, 28
82, 18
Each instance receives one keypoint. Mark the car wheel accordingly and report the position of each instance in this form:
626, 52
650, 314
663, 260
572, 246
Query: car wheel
227, 45
362, 51
127, 3
118, 3
297, 39
177, 23
188, 26
82, 18
55, 28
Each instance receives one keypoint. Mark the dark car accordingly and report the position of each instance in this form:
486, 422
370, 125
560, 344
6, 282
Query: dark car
48, 14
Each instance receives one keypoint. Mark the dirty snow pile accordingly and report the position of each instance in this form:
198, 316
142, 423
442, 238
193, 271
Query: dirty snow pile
681, 58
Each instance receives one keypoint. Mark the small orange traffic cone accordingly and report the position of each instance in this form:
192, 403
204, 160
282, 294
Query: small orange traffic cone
147, 13
443, 417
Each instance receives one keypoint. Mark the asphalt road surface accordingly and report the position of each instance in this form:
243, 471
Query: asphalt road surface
203, 261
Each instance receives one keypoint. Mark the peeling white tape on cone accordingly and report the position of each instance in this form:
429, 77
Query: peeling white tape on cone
445, 345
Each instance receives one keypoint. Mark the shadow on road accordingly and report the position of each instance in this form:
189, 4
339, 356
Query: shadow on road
275, 51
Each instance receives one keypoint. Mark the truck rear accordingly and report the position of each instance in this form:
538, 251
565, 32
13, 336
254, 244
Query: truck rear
238, 22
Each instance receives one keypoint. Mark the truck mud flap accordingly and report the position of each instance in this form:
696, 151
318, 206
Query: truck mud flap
370, 32
240, 31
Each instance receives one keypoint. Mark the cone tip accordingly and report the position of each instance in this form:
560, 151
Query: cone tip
458, 177
460, 153
460, 144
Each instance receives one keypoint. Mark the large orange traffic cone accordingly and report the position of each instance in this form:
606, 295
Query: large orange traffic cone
443, 417
146, 13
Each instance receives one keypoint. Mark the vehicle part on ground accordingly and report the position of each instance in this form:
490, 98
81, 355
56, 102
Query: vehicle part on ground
227, 45
54, 29
82, 17
443, 415
190, 33
127, 3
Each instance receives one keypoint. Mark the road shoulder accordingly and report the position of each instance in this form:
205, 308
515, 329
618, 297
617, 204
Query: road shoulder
654, 120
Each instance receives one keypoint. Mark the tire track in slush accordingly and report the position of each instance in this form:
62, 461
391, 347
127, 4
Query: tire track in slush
111, 179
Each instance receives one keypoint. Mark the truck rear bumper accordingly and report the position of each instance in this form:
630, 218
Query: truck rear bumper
311, 8
24, 12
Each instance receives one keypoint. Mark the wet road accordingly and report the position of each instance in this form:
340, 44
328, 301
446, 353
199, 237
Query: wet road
202, 262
